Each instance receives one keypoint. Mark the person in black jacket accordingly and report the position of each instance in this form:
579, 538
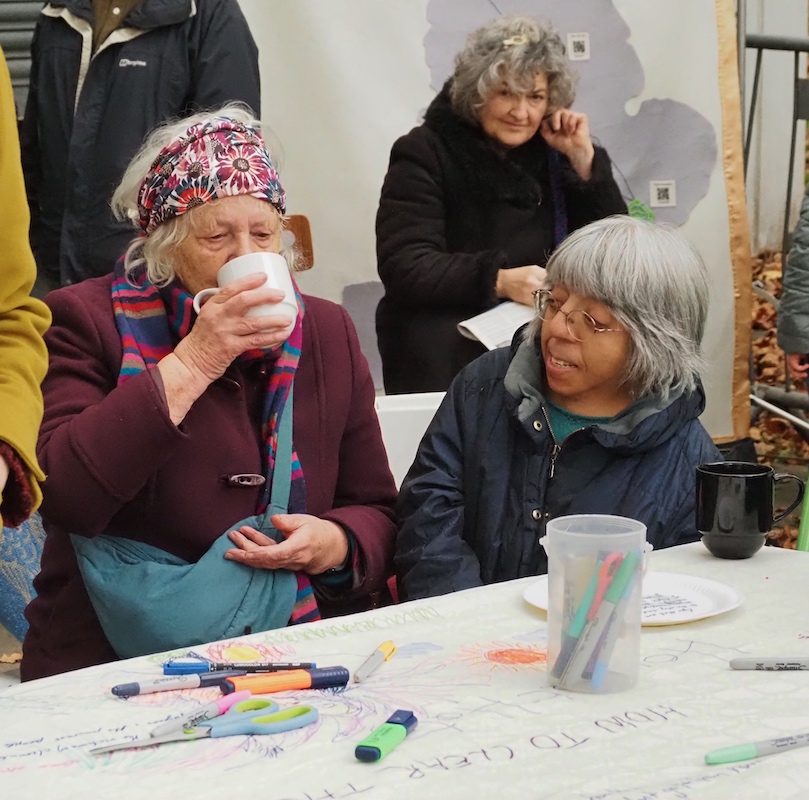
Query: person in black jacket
104, 73
593, 410
477, 198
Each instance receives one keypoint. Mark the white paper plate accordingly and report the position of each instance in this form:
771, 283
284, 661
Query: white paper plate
668, 598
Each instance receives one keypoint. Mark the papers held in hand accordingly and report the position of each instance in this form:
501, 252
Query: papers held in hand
496, 327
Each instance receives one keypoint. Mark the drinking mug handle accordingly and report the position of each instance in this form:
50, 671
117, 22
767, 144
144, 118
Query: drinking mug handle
785, 476
199, 296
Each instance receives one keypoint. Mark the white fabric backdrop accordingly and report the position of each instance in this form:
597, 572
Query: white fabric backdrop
342, 79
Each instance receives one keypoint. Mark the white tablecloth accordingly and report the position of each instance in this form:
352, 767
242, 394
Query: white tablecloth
471, 667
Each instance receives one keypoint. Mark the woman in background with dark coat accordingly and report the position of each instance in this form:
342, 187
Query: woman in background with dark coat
477, 198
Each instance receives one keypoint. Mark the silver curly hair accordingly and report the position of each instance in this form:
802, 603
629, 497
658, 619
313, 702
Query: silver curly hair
514, 50
156, 250
654, 282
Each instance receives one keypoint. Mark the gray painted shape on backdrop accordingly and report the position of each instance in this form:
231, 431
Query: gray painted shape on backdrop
665, 140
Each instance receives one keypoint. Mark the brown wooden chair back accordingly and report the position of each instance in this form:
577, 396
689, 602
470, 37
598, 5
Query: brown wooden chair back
298, 226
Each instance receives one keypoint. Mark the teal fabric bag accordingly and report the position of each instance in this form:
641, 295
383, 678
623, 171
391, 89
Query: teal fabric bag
148, 600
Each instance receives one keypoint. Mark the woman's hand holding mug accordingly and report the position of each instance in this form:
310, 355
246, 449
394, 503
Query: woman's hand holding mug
276, 271
253, 307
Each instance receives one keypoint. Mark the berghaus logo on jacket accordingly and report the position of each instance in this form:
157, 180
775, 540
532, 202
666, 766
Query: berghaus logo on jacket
128, 62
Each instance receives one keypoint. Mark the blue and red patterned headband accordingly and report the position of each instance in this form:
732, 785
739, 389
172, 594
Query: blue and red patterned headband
217, 158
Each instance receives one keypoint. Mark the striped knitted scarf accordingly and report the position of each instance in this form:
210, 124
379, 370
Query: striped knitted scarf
151, 320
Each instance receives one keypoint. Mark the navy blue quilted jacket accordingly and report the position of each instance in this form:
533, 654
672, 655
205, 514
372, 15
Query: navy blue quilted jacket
488, 475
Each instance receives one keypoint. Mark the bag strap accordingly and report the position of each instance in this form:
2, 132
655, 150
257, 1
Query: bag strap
282, 474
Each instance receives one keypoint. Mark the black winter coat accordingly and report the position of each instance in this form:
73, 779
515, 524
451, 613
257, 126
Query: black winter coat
168, 59
453, 212
488, 476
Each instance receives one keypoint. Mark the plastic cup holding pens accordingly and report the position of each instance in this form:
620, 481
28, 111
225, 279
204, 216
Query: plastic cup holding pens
595, 566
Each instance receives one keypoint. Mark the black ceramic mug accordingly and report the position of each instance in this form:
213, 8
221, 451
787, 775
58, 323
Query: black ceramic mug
735, 506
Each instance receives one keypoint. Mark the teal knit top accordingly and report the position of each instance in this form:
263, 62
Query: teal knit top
563, 422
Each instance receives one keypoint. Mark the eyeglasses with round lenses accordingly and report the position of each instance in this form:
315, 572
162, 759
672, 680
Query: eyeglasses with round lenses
580, 325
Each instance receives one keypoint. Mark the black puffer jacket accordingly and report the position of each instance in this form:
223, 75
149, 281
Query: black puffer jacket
454, 211
487, 476
169, 58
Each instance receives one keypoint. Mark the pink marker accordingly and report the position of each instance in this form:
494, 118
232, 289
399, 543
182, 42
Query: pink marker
215, 709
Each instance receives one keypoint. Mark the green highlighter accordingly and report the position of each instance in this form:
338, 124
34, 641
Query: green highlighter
386, 736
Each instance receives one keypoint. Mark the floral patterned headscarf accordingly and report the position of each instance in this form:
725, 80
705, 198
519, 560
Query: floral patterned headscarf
217, 158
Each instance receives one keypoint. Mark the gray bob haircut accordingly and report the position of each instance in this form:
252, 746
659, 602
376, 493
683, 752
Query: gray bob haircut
655, 284
155, 251
514, 50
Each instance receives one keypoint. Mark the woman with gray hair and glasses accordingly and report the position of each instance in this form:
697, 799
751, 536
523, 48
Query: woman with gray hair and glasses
477, 197
593, 410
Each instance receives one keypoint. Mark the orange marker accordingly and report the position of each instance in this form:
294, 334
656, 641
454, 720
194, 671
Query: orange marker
265, 683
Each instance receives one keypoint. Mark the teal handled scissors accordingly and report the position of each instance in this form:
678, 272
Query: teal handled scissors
254, 716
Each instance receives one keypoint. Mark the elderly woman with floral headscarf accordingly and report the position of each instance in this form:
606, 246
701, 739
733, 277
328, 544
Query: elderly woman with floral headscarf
165, 430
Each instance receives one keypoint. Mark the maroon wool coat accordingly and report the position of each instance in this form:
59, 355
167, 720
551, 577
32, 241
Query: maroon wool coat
115, 462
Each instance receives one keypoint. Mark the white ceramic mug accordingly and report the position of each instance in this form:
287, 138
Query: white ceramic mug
275, 267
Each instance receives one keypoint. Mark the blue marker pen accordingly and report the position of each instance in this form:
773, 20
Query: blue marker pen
186, 666
386, 736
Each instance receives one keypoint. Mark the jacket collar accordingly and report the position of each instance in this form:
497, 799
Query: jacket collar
647, 423
513, 176
146, 15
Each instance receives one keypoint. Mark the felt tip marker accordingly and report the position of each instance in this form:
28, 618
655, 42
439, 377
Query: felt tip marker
170, 682
322, 678
182, 666
769, 747
382, 653
771, 664
265, 666
387, 736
